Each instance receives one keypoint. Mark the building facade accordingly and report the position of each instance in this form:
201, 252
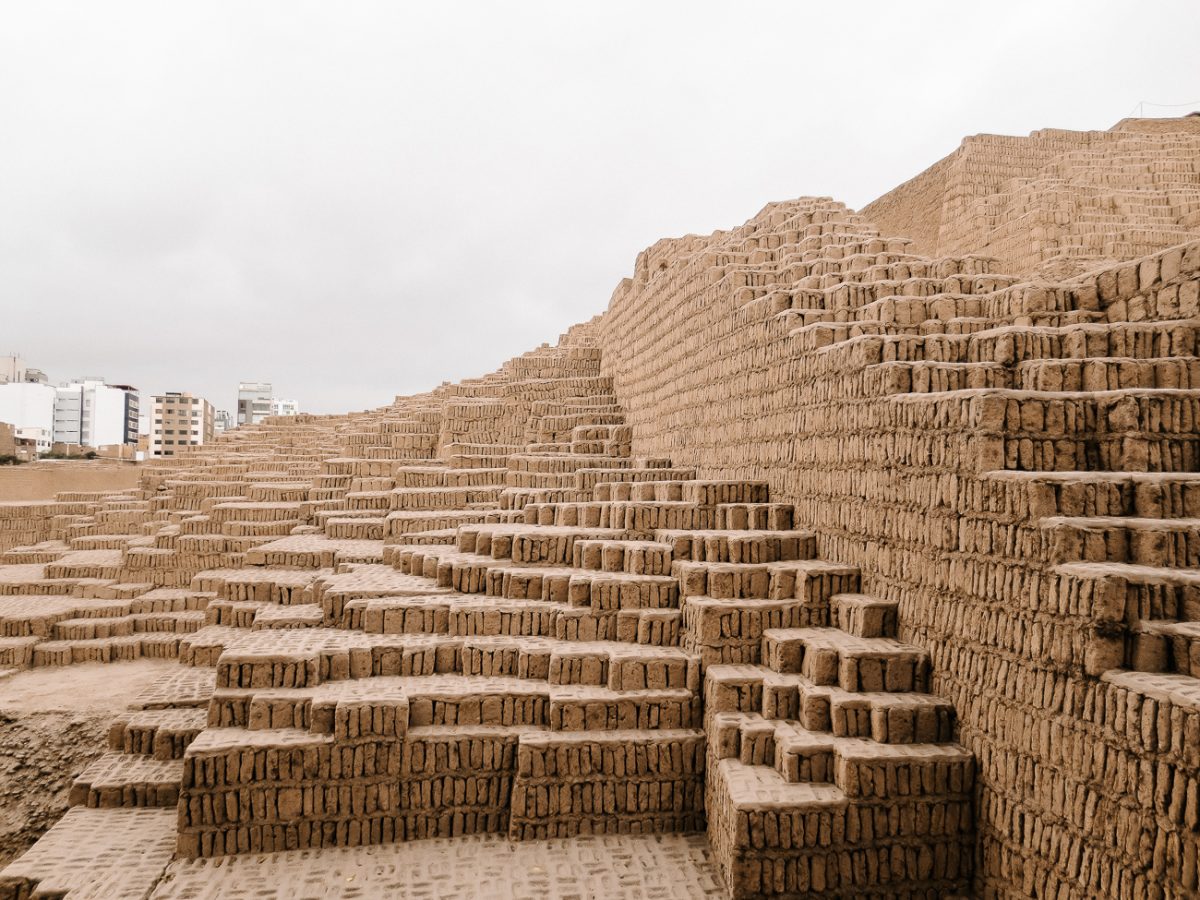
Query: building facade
94, 414
254, 402
285, 407
29, 408
179, 420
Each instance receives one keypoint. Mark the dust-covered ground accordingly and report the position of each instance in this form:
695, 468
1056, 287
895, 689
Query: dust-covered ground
53, 722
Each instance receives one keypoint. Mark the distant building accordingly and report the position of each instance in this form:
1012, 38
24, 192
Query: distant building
13, 445
13, 369
222, 421
94, 414
179, 420
285, 407
29, 408
254, 402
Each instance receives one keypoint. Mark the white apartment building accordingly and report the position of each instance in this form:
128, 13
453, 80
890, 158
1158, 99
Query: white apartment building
94, 414
254, 402
29, 408
285, 407
87, 412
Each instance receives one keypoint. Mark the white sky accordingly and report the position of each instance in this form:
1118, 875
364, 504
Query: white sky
356, 199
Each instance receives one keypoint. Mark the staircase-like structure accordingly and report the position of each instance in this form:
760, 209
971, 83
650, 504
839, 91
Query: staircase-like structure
880, 567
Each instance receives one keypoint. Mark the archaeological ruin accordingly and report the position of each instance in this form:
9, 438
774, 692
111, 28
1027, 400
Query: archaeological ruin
865, 545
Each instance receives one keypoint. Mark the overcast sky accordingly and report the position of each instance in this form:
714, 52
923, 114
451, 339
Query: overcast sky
354, 200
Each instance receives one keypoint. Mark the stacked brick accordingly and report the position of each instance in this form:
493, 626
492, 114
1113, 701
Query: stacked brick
1056, 203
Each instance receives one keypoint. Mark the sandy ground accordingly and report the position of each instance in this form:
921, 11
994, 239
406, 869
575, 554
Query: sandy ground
53, 722
42, 480
92, 688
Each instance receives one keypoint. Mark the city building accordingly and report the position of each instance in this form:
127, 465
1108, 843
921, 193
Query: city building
13, 446
285, 407
91, 413
179, 420
29, 408
254, 402
13, 369
222, 421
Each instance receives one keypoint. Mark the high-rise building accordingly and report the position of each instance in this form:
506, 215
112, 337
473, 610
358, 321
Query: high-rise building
254, 402
222, 421
284, 407
94, 414
179, 420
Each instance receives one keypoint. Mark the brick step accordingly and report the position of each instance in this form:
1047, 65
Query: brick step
373, 528
774, 838
615, 782
450, 700
859, 767
863, 615
739, 546
121, 780
646, 517
516, 499
441, 476
1167, 543
800, 579
561, 481
161, 733
265, 585
143, 623
530, 543
85, 564
568, 462
1163, 645
1155, 495
257, 659
454, 614
884, 717
1128, 594
158, 645
1090, 374
439, 781
440, 497
313, 551
589, 479
832, 657
1016, 344
407, 522
633, 557
700, 492
298, 615
600, 592
261, 513
278, 491
482, 460
1133, 429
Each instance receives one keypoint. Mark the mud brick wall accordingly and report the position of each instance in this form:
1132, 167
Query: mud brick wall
1082, 787
1051, 202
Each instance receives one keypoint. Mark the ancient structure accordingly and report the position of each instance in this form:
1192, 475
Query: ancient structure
867, 543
